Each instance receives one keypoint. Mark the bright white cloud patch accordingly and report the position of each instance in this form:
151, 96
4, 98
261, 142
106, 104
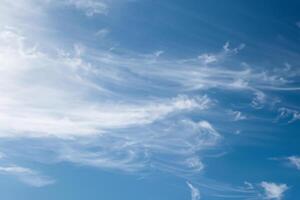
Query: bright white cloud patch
274, 190
195, 193
295, 161
26, 175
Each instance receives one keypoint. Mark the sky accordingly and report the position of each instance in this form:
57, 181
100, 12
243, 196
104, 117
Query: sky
149, 100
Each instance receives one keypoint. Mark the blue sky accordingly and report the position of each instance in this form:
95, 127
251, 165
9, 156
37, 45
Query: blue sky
151, 100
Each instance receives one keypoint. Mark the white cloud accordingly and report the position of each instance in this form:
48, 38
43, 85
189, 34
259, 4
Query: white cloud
72, 99
208, 58
158, 53
249, 185
195, 162
90, 7
295, 161
235, 50
125, 111
26, 175
89, 93
75, 96
291, 115
102, 32
162, 146
195, 193
273, 190
258, 100
61, 109
238, 115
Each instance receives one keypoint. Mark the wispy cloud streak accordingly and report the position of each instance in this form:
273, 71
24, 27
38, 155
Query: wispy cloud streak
195, 193
90, 7
26, 175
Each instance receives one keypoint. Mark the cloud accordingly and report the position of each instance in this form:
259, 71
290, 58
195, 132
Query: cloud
78, 98
295, 161
33, 14
207, 58
258, 100
120, 110
210, 58
249, 185
158, 53
162, 146
195, 193
66, 112
90, 7
27, 176
298, 24
233, 50
237, 115
102, 32
86, 93
273, 190
289, 114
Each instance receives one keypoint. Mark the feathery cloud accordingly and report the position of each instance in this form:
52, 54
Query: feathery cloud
195, 193
129, 110
273, 190
83, 96
27, 176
